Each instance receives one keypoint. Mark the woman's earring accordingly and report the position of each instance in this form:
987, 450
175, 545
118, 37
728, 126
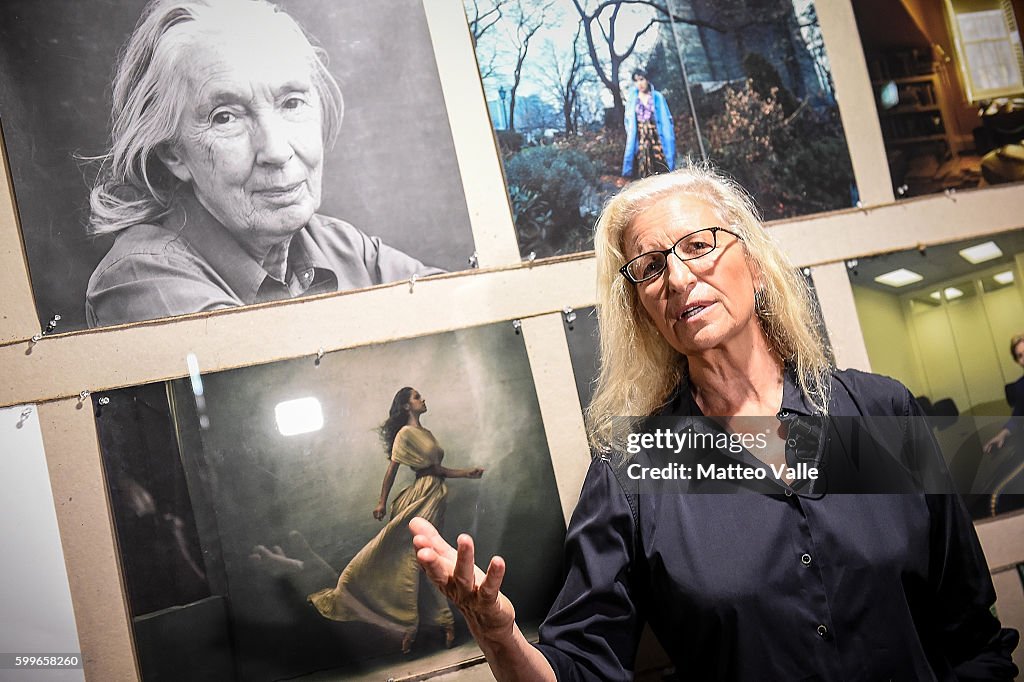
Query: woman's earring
759, 301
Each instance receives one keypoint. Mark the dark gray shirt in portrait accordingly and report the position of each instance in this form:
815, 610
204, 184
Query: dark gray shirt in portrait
190, 263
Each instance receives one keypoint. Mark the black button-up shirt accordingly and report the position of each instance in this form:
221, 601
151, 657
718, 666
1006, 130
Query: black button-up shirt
778, 586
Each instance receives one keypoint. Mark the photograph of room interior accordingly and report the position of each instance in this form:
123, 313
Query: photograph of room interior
941, 321
947, 80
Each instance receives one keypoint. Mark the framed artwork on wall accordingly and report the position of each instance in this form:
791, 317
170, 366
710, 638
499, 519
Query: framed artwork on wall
249, 514
172, 161
943, 320
586, 97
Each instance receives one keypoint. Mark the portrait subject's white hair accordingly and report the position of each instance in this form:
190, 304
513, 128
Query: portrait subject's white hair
150, 94
638, 368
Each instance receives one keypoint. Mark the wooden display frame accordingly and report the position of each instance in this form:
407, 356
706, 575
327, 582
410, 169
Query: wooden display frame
53, 372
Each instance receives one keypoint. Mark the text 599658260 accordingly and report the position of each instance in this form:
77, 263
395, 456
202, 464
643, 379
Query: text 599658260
38, 661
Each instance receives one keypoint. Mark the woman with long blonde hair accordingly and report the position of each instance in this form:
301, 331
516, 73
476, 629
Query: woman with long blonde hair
703, 320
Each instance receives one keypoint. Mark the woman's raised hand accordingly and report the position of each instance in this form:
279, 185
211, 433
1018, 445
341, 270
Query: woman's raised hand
489, 614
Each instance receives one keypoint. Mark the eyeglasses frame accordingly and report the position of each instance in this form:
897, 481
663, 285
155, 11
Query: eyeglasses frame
624, 270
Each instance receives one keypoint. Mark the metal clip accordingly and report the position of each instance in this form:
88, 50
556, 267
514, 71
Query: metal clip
50, 326
474, 261
517, 325
806, 272
23, 417
851, 265
104, 400
902, 190
531, 257
412, 282
319, 356
950, 194
570, 316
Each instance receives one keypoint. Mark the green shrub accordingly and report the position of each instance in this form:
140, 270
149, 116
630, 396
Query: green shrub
792, 166
509, 141
551, 189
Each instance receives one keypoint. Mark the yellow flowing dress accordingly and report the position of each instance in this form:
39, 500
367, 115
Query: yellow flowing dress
382, 583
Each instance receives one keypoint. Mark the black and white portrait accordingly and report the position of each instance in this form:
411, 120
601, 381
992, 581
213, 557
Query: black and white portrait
181, 156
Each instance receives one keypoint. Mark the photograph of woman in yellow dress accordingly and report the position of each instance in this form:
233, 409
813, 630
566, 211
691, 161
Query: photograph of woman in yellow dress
383, 584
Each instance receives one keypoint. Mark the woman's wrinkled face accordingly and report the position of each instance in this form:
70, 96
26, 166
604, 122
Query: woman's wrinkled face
696, 305
250, 140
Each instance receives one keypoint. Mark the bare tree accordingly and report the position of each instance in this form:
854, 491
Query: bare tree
527, 21
599, 29
589, 21
564, 76
483, 15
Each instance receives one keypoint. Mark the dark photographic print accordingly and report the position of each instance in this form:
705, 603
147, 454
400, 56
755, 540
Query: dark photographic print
584, 339
947, 322
177, 157
262, 512
948, 78
586, 96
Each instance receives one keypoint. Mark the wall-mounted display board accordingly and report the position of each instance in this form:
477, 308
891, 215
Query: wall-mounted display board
37, 618
209, 172
942, 319
420, 55
585, 96
243, 498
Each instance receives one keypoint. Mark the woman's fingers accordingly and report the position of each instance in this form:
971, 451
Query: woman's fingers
491, 584
465, 566
425, 535
438, 571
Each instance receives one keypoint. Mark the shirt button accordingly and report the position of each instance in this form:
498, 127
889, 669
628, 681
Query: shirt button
789, 493
822, 630
307, 274
806, 559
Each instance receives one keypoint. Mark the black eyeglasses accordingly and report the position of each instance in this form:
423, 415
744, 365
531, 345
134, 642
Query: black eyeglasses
689, 247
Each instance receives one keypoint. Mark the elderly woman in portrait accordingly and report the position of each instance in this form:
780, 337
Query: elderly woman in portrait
222, 110
701, 315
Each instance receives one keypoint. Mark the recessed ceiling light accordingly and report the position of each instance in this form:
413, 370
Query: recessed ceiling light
952, 293
301, 415
937, 295
899, 278
1003, 277
981, 252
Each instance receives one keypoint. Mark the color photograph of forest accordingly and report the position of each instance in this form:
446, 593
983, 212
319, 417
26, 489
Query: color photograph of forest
588, 95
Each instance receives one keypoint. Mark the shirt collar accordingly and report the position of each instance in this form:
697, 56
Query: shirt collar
206, 236
304, 253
